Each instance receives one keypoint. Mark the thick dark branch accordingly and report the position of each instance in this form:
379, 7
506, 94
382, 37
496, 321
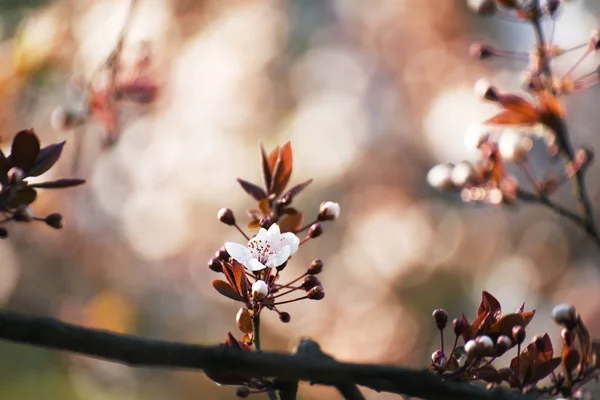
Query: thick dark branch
136, 351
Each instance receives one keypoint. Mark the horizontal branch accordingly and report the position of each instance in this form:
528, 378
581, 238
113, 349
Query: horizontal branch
136, 351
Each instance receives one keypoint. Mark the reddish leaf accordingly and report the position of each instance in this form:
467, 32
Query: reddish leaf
23, 197
25, 149
294, 191
550, 104
226, 290
530, 358
229, 275
482, 323
273, 157
519, 106
47, 157
489, 304
467, 333
543, 370
58, 184
253, 190
291, 223
528, 316
239, 276
570, 360
263, 205
488, 374
595, 359
511, 118
521, 309
585, 339
282, 170
266, 168
505, 324
253, 225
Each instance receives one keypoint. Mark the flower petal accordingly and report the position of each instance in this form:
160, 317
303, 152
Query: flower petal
261, 235
273, 232
279, 257
291, 240
238, 252
254, 265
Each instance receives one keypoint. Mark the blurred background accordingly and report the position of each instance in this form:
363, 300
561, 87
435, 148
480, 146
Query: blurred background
371, 95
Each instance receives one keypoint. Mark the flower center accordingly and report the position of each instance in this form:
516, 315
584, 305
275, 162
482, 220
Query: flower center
262, 249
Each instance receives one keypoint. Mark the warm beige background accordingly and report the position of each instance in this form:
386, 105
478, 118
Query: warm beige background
371, 94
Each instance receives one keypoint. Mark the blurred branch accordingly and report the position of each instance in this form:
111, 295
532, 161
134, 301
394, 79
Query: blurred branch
137, 351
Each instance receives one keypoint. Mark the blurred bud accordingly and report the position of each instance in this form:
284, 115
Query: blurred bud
565, 314
440, 177
476, 135
552, 6
482, 7
282, 266
440, 317
459, 325
514, 146
503, 344
243, 320
328, 211
518, 334
3, 232
438, 358
315, 267
285, 317
23, 214
486, 91
567, 336
486, 343
481, 51
260, 290
62, 119
463, 174
595, 39
54, 220
584, 157
222, 254
242, 392
215, 265
15, 175
226, 216
315, 230
265, 222
316, 293
471, 347
539, 342
310, 282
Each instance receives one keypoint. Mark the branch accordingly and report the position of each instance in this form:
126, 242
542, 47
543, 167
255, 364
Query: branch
136, 351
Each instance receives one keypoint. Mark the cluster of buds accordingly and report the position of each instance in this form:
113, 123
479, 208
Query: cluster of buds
118, 81
28, 159
253, 270
492, 335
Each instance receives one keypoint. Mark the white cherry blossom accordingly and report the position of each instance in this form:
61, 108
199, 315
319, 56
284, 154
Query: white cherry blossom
269, 249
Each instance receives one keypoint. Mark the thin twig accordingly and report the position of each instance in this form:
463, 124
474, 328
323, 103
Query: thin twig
137, 351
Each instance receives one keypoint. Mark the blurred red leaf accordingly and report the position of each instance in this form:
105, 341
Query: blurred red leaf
4, 168
511, 118
226, 290
58, 184
273, 157
506, 323
294, 191
46, 158
266, 167
291, 223
253, 190
528, 316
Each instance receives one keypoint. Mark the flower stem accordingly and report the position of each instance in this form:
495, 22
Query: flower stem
256, 331
241, 231
290, 301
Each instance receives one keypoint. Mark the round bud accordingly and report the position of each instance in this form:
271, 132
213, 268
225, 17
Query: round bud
316, 293
3, 232
284, 317
310, 282
54, 220
243, 320
481, 51
470, 347
225, 215
552, 6
328, 211
315, 230
23, 214
15, 175
265, 222
482, 7
440, 177
440, 317
463, 173
315, 267
459, 326
242, 392
222, 254
503, 344
260, 290
514, 146
486, 343
63, 119
518, 334
215, 265
438, 358
486, 91
565, 314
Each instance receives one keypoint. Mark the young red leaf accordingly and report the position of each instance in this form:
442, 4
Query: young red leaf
241, 281
294, 191
267, 172
528, 316
273, 157
253, 190
512, 118
46, 158
291, 223
489, 304
282, 170
506, 323
58, 184
226, 290
543, 370
25, 149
